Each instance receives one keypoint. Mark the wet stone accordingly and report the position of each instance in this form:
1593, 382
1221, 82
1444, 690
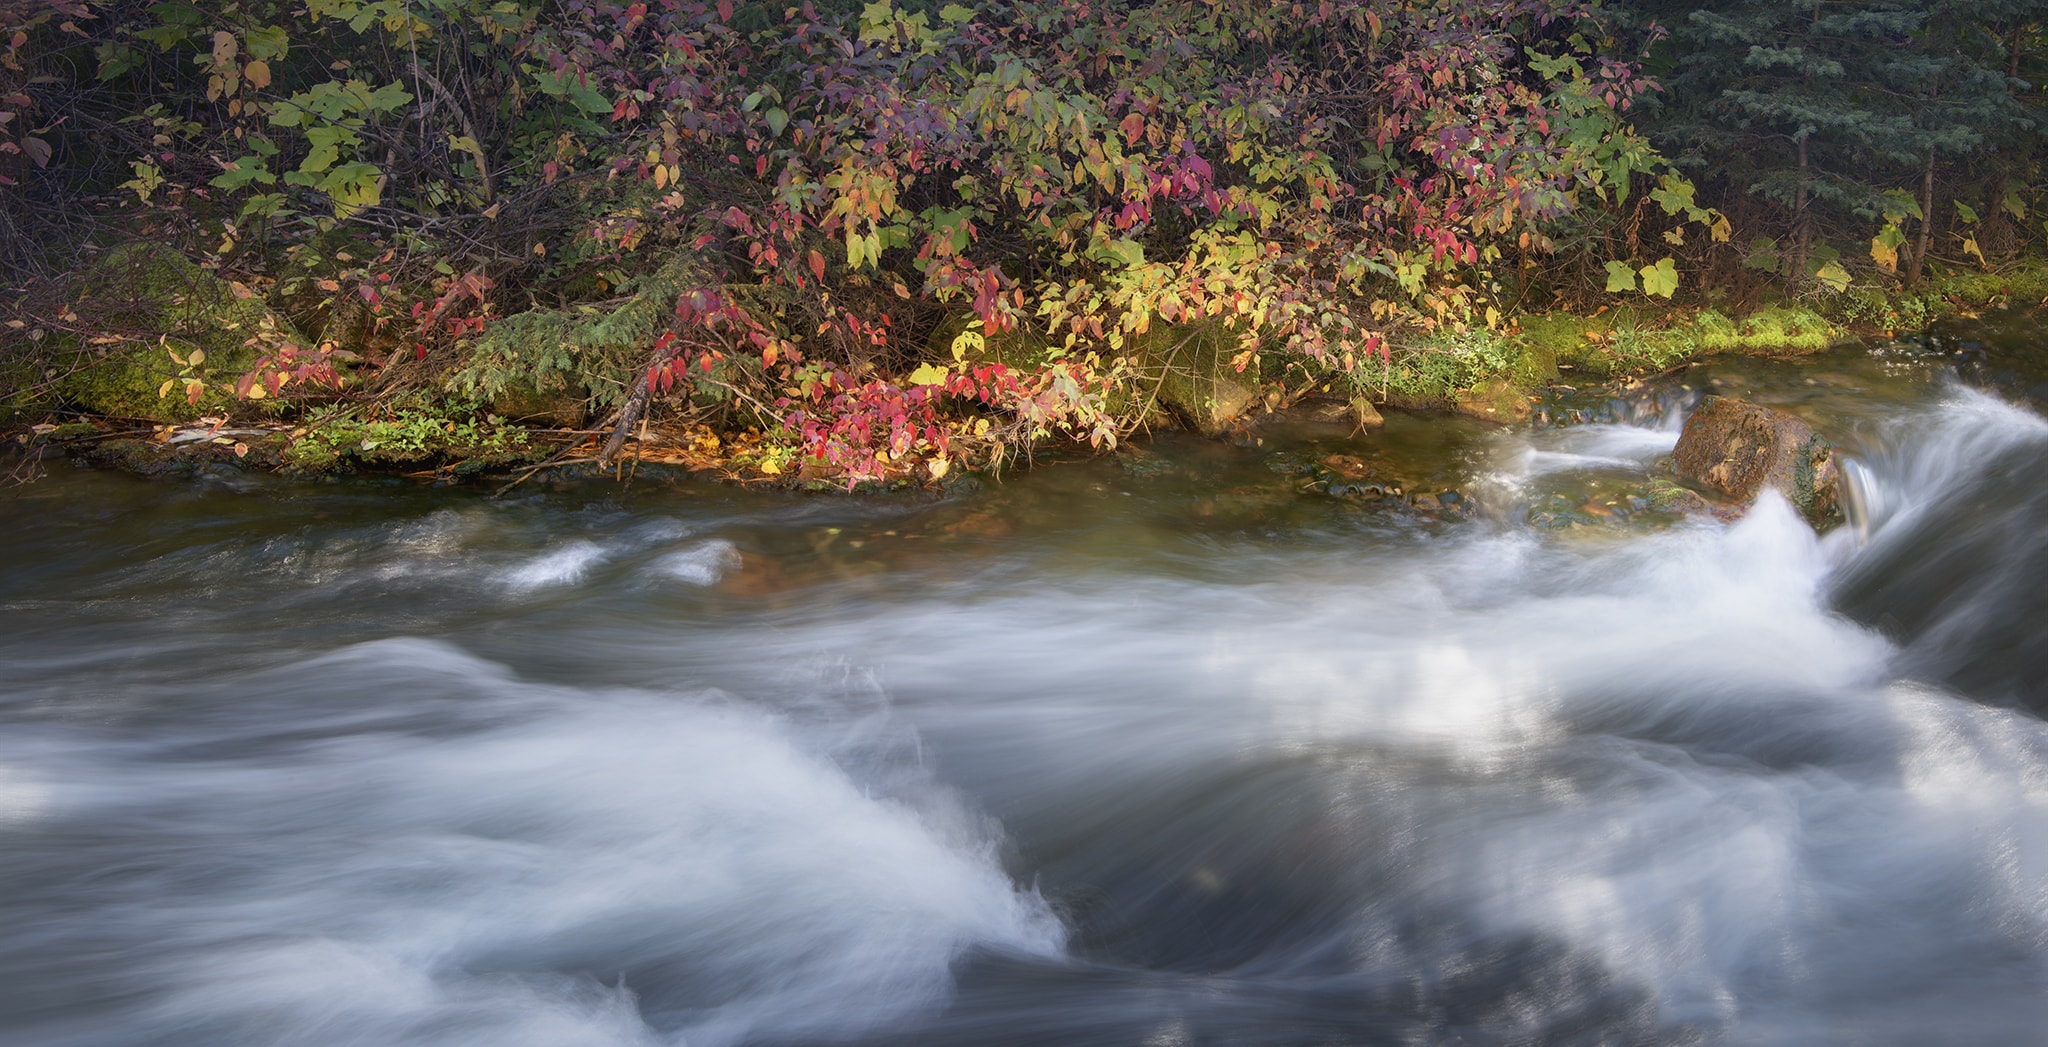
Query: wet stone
1737, 449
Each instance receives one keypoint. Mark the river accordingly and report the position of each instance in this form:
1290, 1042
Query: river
1174, 749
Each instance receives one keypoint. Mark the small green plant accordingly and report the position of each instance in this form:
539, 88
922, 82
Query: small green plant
411, 429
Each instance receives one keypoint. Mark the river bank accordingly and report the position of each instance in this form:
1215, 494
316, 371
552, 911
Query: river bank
1537, 368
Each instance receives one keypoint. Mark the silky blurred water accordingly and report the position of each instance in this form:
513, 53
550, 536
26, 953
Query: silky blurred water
1169, 751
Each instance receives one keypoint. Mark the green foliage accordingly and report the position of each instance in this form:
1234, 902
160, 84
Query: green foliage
593, 349
779, 205
1437, 367
406, 430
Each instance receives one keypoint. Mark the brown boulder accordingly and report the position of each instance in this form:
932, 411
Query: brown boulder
1736, 449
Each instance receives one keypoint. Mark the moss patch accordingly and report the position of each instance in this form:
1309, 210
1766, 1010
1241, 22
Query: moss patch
170, 306
1945, 294
409, 432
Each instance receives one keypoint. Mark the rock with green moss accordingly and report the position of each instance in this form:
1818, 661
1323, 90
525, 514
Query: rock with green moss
561, 407
1197, 378
1737, 449
1498, 400
173, 308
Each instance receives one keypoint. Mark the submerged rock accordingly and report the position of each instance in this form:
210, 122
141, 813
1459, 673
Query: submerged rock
1499, 400
1737, 449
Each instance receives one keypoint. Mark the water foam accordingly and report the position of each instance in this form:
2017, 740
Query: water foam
505, 863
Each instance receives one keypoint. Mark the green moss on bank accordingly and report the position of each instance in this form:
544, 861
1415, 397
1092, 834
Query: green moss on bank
412, 431
1946, 294
175, 307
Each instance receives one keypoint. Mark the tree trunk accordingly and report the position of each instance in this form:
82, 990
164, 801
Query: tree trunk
1802, 230
1925, 235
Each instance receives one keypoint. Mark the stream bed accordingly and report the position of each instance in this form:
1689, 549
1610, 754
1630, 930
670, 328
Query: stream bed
1179, 748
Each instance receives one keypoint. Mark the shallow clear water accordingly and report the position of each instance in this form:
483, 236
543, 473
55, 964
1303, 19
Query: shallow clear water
1174, 750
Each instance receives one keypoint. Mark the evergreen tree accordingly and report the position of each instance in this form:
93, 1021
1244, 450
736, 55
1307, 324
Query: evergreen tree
1840, 115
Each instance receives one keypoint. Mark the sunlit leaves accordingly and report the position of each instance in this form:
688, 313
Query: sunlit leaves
1661, 279
1620, 277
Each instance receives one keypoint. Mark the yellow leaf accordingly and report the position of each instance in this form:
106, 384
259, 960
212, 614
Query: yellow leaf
768, 466
928, 374
1970, 248
258, 74
661, 176
938, 467
165, 389
257, 392
198, 357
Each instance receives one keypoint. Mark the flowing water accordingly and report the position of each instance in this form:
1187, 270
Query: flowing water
1175, 749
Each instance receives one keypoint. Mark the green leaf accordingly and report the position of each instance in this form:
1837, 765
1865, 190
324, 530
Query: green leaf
243, 171
394, 95
1833, 276
1763, 255
1966, 213
777, 120
267, 43
1121, 252
1620, 277
1884, 247
955, 14
1660, 279
1674, 195
1899, 205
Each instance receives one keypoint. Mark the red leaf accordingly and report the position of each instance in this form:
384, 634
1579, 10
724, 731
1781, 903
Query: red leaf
818, 265
725, 10
1133, 128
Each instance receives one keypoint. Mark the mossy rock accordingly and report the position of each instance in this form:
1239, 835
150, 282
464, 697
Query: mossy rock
1499, 400
564, 406
151, 288
1191, 365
